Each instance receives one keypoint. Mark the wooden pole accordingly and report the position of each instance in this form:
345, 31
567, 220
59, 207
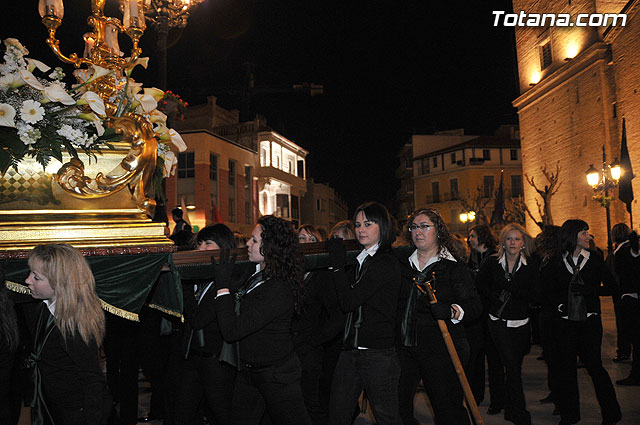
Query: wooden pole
451, 348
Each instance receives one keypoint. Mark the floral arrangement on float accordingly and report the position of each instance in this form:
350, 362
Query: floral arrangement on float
41, 116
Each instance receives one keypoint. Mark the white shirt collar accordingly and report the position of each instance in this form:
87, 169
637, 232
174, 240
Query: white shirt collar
503, 262
51, 305
366, 252
583, 252
619, 246
443, 254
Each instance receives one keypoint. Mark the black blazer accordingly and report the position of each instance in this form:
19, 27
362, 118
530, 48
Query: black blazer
377, 292
453, 285
320, 319
491, 281
71, 375
555, 278
263, 327
627, 270
201, 317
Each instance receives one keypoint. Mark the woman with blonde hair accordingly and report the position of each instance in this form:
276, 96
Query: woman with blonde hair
67, 327
507, 282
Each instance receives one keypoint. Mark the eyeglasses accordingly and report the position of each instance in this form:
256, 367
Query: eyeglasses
423, 227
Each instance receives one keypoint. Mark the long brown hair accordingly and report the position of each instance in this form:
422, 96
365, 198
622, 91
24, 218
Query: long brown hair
443, 234
77, 305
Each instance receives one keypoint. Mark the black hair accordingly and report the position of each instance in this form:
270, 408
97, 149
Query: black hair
177, 212
281, 251
485, 236
570, 229
218, 233
620, 233
378, 213
9, 335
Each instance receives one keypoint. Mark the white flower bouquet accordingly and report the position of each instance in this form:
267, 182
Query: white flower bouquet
40, 117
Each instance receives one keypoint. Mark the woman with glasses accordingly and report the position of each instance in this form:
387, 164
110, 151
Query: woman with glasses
570, 284
369, 296
507, 284
423, 354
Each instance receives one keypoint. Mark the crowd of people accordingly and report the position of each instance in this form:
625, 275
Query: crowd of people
279, 344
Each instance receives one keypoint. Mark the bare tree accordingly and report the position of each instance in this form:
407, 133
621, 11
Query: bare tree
550, 189
476, 203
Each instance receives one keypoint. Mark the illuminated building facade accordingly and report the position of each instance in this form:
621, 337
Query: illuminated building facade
576, 85
449, 167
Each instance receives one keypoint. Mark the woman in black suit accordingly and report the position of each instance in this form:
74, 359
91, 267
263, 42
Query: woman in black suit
507, 282
68, 327
570, 284
9, 339
203, 377
424, 354
260, 320
369, 296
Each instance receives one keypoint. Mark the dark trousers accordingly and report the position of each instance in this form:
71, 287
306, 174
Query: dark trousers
204, 379
583, 339
623, 340
274, 388
549, 351
377, 371
630, 309
440, 382
311, 363
121, 350
481, 346
512, 344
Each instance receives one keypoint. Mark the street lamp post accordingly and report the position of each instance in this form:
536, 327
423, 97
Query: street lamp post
467, 217
602, 181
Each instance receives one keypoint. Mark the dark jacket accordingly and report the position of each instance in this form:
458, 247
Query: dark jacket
73, 384
453, 285
491, 282
263, 327
320, 319
555, 279
201, 317
627, 270
377, 292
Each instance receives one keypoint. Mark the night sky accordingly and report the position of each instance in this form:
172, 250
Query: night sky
389, 69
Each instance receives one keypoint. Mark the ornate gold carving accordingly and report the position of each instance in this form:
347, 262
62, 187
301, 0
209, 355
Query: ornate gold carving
135, 171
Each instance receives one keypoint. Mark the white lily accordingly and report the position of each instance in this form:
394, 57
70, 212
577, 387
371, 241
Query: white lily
14, 42
56, 93
154, 92
144, 62
158, 117
148, 103
94, 101
176, 139
7, 115
170, 162
133, 88
97, 122
82, 75
34, 63
30, 79
11, 81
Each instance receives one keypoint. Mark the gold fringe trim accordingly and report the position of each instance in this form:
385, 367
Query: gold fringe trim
17, 287
119, 312
167, 311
